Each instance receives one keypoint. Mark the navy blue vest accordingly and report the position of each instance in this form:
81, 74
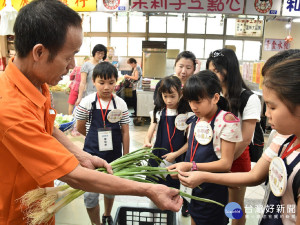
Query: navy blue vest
91, 141
202, 212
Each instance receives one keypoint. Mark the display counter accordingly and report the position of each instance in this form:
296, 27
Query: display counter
144, 103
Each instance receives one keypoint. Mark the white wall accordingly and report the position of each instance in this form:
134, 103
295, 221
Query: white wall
276, 30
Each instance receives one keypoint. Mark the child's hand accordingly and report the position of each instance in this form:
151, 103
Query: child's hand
190, 179
147, 145
170, 157
183, 166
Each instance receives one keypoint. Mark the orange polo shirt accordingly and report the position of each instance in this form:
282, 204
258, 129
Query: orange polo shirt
30, 156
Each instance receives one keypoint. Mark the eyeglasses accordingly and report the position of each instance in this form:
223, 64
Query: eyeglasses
215, 54
100, 53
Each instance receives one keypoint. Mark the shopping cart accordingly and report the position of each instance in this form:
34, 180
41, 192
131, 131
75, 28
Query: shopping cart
144, 216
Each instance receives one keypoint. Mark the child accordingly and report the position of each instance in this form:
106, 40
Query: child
168, 136
225, 64
103, 118
281, 95
212, 137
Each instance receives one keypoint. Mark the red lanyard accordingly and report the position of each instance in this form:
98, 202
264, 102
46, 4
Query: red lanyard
170, 139
193, 152
103, 115
288, 151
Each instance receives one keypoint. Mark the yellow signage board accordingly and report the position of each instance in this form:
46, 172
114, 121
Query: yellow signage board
77, 5
81, 5
2, 4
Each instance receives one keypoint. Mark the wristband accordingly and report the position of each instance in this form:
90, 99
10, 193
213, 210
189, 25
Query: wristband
194, 166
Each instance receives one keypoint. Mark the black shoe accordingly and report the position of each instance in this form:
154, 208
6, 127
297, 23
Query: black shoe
184, 208
107, 220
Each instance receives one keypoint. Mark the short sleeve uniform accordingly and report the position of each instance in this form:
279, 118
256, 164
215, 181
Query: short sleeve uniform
84, 108
30, 156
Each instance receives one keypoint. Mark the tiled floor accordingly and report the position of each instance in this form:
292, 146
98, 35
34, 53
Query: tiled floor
75, 213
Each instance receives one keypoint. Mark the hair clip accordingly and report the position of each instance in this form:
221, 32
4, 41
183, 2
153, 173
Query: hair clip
216, 53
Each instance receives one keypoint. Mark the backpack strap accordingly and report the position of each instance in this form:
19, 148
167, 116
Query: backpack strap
244, 99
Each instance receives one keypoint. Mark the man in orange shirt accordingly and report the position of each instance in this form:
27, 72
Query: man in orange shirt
33, 153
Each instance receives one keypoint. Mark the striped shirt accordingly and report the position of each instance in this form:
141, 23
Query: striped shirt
83, 110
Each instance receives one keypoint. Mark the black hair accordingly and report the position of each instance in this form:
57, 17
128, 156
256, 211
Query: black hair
131, 60
105, 70
43, 22
99, 48
166, 86
186, 55
284, 79
280, 56
225, 59
203, 85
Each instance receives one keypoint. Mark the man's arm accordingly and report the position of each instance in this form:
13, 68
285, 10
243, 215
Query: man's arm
85, 159
94, 181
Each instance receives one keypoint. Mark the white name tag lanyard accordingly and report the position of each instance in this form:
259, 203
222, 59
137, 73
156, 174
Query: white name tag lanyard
104, 134
278, 173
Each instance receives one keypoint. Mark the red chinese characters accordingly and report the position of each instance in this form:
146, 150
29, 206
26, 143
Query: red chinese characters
23, 3
219, 5
203, 6
83, 3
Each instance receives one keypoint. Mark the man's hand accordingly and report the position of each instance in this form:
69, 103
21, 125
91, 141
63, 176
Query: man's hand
165, 198
93, 162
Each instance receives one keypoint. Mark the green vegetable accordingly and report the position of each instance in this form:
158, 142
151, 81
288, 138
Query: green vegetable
43, 203
60, 118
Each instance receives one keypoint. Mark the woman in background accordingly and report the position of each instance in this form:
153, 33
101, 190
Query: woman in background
135, 76
86, 86
185, 66
75, 77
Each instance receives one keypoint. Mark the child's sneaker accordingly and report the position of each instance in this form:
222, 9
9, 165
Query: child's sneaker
107, 220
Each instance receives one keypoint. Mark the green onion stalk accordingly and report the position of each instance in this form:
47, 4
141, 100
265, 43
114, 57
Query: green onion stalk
42, 203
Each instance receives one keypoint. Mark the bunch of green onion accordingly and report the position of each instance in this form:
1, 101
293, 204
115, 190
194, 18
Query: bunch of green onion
42, 203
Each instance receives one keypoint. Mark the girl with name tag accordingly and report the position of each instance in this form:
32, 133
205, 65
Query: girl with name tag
281, 94
103, 118
212, 137
168, 121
